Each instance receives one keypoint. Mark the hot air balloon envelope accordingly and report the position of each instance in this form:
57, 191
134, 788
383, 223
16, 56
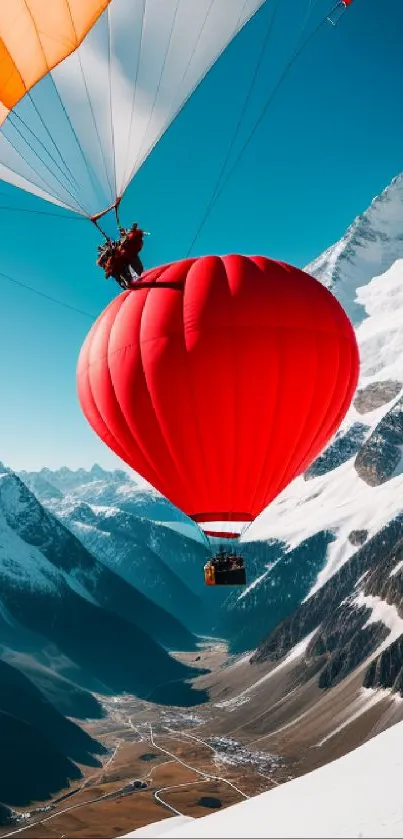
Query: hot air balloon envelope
219, 380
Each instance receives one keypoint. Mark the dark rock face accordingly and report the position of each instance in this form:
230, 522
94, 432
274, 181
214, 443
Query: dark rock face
65, 695
110, 653
20, 698
6, 816
380, 455
358, 537
285, 579
340, 450
375, 395
347, 643
386, 670
342, 640
39, 747
35, 769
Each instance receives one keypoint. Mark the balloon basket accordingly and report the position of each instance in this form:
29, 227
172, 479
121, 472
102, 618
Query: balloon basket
225, 570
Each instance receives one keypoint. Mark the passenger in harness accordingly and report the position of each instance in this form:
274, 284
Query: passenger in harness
120, 260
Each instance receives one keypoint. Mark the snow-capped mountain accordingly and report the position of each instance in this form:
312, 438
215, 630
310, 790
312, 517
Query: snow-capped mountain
126, 526
167, 566
370, 246
106, 489
60, 606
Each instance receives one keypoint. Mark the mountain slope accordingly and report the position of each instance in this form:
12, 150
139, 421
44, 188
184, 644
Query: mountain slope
65, 611
35, 736
357, 795
103, 488
38, 528
165, 566
370, 246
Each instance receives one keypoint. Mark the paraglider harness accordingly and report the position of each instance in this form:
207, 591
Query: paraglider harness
225, 569
120, 259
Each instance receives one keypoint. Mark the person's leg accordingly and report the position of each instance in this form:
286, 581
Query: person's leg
137, 265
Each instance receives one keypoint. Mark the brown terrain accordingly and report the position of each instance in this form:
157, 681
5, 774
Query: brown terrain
263, 725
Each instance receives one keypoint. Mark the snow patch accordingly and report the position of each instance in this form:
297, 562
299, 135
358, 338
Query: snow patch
258, 580
381, 612
396, 569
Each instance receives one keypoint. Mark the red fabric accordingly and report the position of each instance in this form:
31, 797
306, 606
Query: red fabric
136, 238
118, 261
222, 389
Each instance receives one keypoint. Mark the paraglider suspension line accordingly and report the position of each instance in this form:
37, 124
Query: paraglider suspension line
95, 218
224, 178
98, 226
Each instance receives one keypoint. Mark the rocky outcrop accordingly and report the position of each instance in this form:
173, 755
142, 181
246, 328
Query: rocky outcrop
285, 577
378, 458
386, 670
358, 537
343, 638
343, 447
375, 395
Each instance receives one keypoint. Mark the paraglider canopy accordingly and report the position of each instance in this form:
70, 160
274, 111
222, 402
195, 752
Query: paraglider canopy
88, 87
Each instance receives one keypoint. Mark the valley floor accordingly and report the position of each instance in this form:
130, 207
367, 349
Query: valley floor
262, 727
157, 766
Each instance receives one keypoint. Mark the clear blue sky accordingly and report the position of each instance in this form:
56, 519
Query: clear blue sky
331, 140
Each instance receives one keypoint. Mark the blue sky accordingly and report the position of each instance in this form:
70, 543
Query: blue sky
331, 140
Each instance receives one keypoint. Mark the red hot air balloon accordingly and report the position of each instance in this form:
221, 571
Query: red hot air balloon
219, 380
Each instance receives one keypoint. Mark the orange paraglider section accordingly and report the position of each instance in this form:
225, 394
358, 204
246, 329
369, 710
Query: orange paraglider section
35, 36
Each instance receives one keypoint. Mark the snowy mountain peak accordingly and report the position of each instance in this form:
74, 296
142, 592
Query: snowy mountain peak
65, 479
15, 498
370, 246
